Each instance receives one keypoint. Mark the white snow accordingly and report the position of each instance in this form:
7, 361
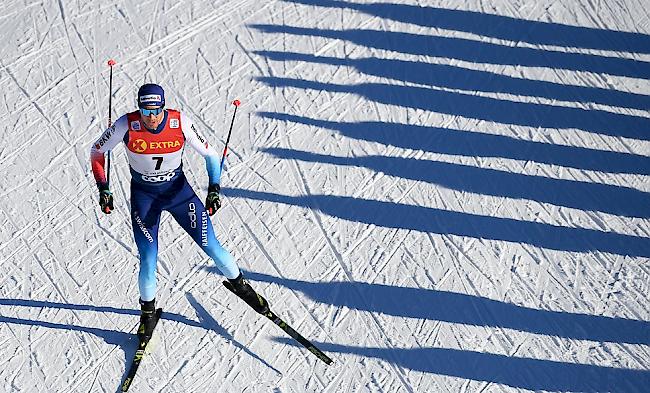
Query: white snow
444, 196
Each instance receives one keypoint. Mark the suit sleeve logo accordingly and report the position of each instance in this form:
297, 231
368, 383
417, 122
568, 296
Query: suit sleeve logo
105, 137
200, 137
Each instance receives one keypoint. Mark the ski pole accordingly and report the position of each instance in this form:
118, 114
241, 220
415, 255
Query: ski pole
111, 63
236, 103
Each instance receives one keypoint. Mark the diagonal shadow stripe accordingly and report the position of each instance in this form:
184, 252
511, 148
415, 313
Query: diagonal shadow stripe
472, 144
484, 108
452, 307
471, 50
623, 201
453, 77
513, 371
498, 26
432, 220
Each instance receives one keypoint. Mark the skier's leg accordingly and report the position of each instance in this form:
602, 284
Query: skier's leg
145, 218
192, 216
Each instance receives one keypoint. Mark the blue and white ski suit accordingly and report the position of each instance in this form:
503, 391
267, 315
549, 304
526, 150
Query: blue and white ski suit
158, 184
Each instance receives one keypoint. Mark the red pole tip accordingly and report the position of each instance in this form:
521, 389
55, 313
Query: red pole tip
111, 62
236, 103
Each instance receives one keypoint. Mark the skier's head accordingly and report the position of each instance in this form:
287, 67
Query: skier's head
151, 100
151, 94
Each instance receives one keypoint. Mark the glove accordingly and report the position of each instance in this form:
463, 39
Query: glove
212, 201
105, 200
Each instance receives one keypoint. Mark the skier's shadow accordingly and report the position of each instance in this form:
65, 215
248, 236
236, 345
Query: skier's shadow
210, 323
128, 342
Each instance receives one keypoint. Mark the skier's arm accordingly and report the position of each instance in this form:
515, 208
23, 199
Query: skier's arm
212, 164
201, 145
107, 141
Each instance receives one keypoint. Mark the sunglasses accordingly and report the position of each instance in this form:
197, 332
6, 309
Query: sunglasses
149, 112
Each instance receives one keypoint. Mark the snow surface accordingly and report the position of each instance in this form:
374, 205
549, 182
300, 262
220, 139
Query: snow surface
444, 196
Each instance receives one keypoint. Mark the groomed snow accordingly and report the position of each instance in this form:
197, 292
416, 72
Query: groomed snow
444, 196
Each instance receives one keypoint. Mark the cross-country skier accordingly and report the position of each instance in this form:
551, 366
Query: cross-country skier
155, 138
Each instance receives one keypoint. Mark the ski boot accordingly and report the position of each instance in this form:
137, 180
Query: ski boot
147, 319
244, 290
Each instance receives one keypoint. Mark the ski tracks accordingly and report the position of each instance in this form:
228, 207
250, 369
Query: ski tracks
374, 327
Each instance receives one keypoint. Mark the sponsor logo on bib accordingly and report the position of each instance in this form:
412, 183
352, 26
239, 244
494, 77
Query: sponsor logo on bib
160, 178
139, 145
142, 146
135, 125
164, 145
174, 123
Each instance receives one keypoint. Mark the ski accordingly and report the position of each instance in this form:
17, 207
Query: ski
137, 358
289, 330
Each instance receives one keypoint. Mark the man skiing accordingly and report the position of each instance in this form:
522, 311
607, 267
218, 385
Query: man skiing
155, 138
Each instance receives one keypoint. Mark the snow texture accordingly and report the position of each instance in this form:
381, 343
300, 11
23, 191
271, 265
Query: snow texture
444, 196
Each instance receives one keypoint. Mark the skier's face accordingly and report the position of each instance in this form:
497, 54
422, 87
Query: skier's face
152, 120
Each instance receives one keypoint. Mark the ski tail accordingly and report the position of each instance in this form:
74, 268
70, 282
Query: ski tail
137, 358
298, 337
290, 331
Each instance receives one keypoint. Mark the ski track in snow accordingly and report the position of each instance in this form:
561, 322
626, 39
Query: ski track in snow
410, 281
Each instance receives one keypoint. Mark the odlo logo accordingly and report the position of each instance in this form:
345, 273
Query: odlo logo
192, 214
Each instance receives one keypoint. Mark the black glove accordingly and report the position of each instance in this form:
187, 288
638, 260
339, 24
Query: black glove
212, 201
105, 200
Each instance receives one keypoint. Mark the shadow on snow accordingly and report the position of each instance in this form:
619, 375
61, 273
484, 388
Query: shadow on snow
453, 77
514, 371
484, 108
520, 372
127, 341
498, 26
452, 307
618, 200
473, 144
472, 51
433, 220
